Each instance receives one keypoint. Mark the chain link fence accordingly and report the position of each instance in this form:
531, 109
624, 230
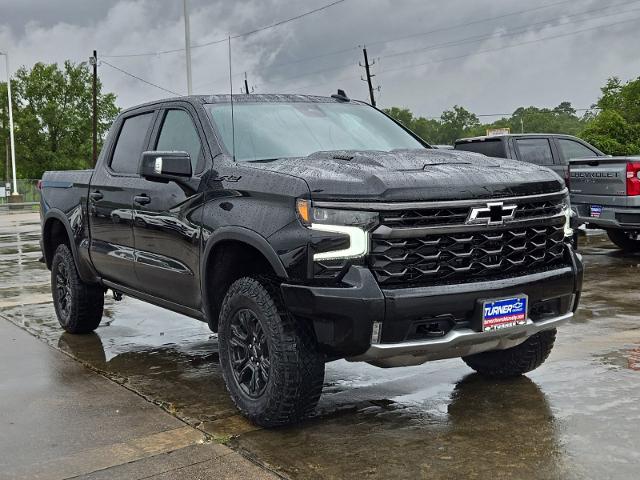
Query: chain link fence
28, 188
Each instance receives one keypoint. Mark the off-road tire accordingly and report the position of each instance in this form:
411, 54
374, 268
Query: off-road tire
80, 310
515, 361
296, 372
622, 240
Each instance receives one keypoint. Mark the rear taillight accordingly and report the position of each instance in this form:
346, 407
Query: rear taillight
633, 178
39, 185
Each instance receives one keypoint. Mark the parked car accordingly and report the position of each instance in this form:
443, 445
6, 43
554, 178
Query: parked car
307, 229
605, 193
550, 150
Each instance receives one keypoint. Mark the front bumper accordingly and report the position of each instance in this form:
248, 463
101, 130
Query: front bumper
456, 343
344, 317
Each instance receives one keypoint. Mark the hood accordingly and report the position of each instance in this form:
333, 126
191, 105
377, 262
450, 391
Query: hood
414, 175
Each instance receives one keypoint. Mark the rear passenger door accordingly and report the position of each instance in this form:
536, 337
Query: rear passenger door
538, 150
167, 216
111, 196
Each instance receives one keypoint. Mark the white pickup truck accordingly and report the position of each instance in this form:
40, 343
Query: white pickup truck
605, 193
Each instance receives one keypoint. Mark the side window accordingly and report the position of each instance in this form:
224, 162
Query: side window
179, 134
535, 150
130, 143
572, 149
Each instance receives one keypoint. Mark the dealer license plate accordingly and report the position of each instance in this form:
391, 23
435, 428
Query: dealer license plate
504, 313
596, 211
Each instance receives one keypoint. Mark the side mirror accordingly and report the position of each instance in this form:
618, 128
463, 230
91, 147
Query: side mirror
165, 166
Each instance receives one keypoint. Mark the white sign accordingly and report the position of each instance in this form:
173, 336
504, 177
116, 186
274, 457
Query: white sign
3, 192
494, 132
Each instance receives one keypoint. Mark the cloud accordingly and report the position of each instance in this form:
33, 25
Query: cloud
541, 72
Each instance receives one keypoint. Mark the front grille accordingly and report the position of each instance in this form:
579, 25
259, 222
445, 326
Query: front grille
447, 216
481, 254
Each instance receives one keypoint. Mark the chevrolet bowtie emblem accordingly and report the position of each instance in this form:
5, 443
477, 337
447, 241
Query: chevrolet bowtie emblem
495, 213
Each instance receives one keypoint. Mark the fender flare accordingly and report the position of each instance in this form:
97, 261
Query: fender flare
55, 214
251, 238
238, 234
83, 263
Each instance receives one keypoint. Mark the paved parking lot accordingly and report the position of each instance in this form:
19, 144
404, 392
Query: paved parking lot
578, 416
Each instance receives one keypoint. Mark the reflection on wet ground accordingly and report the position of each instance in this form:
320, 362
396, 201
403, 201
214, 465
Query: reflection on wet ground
578, 416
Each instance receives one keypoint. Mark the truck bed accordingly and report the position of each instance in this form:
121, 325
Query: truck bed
605, 191
65, 189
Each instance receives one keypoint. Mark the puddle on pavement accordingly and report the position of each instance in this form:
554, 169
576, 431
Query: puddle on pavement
575, 417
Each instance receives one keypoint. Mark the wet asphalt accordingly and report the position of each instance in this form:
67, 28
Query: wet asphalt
577, 416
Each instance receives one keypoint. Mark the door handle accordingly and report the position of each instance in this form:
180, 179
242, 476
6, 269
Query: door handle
141, 199
96, 196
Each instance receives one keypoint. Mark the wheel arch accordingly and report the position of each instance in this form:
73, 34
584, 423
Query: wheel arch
56, 230
234, 252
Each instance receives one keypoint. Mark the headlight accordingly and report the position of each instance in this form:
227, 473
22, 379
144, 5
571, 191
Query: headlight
566, 209
355, 224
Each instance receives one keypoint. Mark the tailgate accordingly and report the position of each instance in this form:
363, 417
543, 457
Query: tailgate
606, 176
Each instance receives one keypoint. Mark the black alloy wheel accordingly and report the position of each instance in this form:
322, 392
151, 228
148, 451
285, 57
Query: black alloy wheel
249, 353
63, 290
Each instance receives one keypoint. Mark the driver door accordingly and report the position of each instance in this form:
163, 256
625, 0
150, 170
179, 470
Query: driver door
167, 217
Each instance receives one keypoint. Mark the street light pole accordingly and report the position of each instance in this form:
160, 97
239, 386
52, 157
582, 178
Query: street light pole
11, 139
187, 42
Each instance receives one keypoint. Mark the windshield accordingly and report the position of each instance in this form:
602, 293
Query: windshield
281, 130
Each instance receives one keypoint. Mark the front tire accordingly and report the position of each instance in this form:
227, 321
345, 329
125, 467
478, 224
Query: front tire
628, 241
514, 361
270, 361
78, 305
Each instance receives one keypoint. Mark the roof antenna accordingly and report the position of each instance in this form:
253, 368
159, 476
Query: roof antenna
233, 127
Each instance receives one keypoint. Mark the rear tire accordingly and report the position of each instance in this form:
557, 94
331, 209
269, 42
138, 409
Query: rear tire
270, 361
78, 305
515, 361
629, 241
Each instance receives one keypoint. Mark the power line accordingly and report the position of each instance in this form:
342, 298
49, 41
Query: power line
474, 22
233, 37
395, 39
515, 32
481, 52
140, 79
470, 39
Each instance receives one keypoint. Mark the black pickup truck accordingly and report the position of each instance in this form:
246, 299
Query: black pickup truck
307, 229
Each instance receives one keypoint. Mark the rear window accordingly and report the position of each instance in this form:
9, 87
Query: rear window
130, 144
571, 149
490, 147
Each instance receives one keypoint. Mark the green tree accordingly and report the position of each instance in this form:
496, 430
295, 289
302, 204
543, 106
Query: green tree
455, 123
610, 132
615, 129
53, 118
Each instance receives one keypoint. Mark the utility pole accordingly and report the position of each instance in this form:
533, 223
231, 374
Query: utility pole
246, 86
367, 67
187, 43
94, 62
11, 137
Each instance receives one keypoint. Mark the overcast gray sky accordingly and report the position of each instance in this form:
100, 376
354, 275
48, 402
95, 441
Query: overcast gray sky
489, 56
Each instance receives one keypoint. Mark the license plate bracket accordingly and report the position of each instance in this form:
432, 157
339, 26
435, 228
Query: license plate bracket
501, 313
595, 211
